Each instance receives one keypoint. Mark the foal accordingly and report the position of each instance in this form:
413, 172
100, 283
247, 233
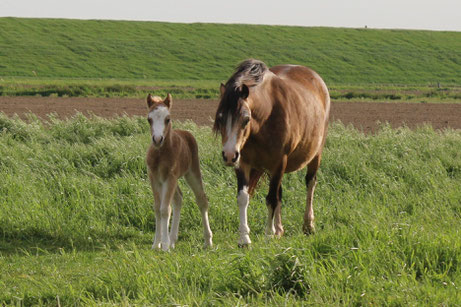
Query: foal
172, 154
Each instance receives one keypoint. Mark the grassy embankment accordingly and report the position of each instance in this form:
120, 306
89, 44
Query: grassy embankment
119, 58
76, 222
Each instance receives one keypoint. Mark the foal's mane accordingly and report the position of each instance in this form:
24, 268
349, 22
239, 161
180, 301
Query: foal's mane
250, 73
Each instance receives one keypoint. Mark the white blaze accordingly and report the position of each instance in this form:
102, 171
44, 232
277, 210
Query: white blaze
230, 147
158, 121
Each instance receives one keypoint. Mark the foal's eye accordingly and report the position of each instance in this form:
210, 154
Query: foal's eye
167, 120
149, 120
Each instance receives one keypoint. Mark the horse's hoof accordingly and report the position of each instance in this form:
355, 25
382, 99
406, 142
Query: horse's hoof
246, 245
309, 229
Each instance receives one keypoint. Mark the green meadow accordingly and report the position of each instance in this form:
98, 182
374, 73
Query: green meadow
100, 58
76, 222
76, 212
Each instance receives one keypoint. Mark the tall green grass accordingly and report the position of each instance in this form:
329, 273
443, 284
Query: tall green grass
76, 222
57, 48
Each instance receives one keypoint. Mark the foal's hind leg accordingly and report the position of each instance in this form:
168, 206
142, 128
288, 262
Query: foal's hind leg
177, 203
194, 180
311, 182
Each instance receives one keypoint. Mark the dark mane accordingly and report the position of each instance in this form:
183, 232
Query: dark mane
250, 73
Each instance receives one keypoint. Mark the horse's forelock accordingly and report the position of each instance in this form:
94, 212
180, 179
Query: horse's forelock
229, 104
250, 72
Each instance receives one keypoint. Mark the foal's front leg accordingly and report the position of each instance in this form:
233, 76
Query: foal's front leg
243, 200
167, 192
157, 236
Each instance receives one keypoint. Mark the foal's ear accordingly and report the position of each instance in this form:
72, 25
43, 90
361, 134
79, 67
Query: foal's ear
168, 100
244, 91
222, 89
150, 101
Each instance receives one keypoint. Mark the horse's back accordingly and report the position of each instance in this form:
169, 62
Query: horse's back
305, 77
306, 101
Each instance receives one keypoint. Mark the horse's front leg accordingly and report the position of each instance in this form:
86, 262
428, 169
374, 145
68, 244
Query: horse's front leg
274, 200
243, 200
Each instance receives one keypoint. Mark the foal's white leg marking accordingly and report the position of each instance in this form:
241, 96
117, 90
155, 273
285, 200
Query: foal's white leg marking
243, 200
309, 213
177, 203
193, 180
165, 212
157, 237
158, 118
270, 228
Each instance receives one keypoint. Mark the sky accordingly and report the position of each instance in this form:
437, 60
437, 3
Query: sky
384, 14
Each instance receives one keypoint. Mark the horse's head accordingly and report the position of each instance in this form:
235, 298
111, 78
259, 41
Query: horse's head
232, 120
159, 118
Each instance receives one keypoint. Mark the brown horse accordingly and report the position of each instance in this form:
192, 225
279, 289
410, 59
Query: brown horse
275, 121
172, 154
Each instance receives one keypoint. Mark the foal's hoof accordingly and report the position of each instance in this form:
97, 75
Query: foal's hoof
245, 246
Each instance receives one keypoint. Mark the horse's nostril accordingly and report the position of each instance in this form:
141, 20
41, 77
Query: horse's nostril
236, 156
223, 155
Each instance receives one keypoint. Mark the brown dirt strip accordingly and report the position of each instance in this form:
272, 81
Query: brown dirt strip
362, 115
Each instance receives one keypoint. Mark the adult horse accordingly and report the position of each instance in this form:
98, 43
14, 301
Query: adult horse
275, 121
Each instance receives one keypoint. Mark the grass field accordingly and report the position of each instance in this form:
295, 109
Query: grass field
208, 89
76, 222
127, 50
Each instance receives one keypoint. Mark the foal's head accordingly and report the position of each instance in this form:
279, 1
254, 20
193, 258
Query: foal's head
233, 122
159, 118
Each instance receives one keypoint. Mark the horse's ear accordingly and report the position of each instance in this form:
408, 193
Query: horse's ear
244, 91
222, 89
168, 100
150, 101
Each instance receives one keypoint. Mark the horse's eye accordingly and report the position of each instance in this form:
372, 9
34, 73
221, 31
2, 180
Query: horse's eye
149, 120
167, 120
245, 122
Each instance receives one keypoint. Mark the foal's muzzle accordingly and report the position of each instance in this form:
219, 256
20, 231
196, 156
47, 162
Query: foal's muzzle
157, 141
230, 158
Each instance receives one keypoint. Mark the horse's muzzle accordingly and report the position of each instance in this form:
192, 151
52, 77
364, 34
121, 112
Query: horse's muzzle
230, 159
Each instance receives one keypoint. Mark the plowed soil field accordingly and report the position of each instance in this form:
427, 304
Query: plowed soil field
363, 115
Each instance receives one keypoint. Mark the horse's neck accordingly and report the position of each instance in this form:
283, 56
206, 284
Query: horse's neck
262, 104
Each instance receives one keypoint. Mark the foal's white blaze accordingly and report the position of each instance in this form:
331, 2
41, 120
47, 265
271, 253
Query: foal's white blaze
230, 147
158, 116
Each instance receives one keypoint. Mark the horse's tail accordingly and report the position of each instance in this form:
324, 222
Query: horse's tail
255, 175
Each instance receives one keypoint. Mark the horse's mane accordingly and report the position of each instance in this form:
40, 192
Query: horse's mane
250, 73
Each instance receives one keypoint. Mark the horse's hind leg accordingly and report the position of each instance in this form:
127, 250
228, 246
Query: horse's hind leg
194, 180
311, 182
274, 200
177, 203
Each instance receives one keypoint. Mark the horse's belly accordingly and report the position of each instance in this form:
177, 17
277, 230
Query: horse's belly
302, 155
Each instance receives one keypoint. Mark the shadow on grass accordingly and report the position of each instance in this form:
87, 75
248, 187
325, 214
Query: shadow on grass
39, 243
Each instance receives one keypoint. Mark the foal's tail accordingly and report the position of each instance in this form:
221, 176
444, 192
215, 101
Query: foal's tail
255, 175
